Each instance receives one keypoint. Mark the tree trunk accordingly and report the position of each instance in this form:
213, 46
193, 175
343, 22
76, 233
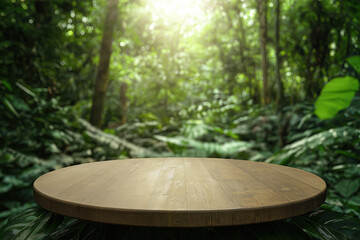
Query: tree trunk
279, 83
262, 10
102, 76
243, 48
123, 102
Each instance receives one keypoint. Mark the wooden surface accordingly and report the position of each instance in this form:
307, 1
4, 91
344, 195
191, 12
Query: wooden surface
179, 192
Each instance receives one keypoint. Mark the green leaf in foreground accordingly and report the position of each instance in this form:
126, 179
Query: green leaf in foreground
335, 96
354, 62
329, 225
33, 223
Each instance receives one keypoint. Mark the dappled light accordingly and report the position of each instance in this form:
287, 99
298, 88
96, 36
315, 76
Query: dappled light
185, 11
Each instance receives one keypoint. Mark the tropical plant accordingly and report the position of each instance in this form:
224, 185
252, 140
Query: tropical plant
338, 93
37, 136
201, 140
39, 224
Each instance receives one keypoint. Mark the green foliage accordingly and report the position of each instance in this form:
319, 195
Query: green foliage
35, 39
331, 150
354, 62
41, 137
32, 223
323, 143
335, 96
328, 225
347, 187
112, 142
201, 140
193, 90
40, 224
190, 147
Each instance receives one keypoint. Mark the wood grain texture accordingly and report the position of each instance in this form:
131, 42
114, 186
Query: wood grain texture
179, 192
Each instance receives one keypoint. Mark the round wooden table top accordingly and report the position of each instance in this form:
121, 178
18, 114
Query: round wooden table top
179, 192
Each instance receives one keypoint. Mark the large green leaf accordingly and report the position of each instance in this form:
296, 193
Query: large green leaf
335, 96
329, 225
354, 62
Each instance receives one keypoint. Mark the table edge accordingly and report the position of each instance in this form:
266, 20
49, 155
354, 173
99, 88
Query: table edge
179, 218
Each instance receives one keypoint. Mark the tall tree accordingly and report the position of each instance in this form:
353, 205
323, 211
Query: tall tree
262, 12
279, 83
102, 76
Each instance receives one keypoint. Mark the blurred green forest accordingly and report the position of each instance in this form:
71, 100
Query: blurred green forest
261, 80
